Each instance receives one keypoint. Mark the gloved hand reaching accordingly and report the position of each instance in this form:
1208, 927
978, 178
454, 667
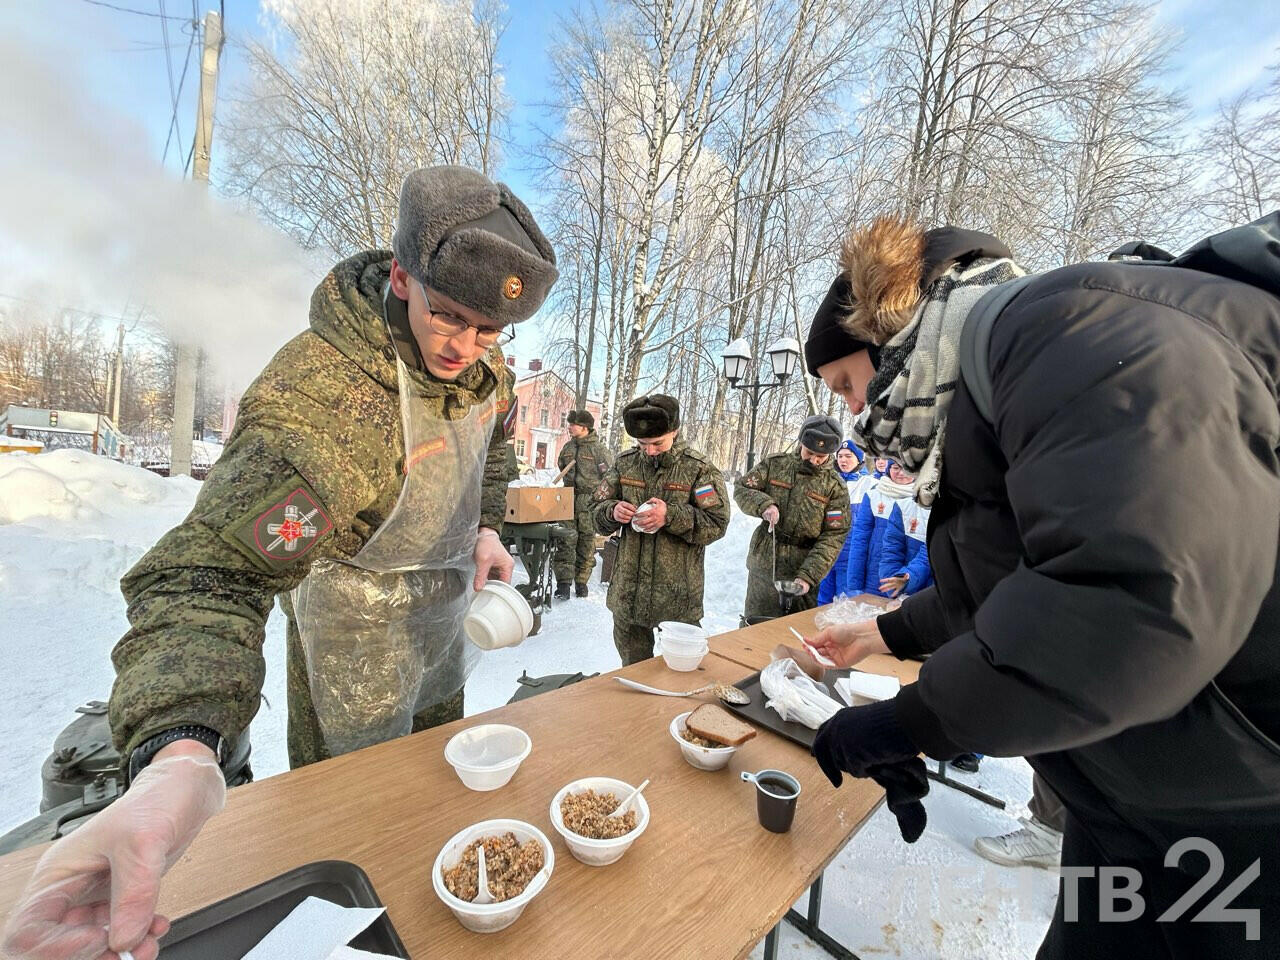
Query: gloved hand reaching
868, 741
95, 890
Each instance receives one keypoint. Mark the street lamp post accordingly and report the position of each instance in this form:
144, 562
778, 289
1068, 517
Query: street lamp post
783, 357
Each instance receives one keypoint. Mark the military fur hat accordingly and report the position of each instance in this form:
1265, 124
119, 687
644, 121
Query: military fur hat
582, 418
820, 434
651, 416
473, 240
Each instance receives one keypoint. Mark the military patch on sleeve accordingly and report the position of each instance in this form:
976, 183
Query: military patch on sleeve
835, 519
509, 421
753, 481
284, 530
705, 495
604, 491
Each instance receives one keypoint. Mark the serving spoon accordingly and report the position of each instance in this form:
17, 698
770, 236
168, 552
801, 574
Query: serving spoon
728, 694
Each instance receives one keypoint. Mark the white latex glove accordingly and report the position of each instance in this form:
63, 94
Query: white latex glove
493, 561
770, 515
93, 894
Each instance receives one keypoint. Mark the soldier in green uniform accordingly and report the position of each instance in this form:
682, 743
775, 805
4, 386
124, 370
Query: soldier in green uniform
805, 506
683, 506
364, 487
575, 556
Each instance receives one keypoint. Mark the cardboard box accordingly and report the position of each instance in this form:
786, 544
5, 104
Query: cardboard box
539, 504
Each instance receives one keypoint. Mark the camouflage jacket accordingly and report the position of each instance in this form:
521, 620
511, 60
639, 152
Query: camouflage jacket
813, 516
658, 576
319, 430
591, 461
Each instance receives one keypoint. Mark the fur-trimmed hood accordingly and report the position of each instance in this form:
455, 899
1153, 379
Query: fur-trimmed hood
885, 269
892, 262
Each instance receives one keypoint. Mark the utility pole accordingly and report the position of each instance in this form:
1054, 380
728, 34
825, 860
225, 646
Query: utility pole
184, 385
119, 363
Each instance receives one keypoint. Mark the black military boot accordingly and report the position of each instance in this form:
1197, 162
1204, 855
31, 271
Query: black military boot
581, 590
562, 590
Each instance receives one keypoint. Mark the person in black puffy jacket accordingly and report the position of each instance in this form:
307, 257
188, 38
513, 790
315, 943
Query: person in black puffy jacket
1097, 608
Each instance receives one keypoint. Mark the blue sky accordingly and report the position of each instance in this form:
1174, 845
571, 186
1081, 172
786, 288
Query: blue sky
1226, 46
115, 62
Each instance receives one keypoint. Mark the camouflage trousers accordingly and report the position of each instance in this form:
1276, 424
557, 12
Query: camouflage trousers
763, 601
634, 641
575, 555
305, 739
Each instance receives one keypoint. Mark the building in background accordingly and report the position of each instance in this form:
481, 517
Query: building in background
63, 429
542, 422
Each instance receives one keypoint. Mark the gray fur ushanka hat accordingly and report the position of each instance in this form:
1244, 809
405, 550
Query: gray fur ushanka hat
474, 241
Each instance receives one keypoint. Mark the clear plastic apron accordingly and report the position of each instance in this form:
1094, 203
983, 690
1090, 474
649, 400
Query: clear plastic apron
382, 632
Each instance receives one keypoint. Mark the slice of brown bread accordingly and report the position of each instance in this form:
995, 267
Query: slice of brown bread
713, 722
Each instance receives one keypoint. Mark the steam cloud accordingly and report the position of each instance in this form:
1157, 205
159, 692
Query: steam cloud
89, 219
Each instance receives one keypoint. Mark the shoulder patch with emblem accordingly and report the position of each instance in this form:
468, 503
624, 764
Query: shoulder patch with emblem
284, 529
753, 481
705, 495
604, 491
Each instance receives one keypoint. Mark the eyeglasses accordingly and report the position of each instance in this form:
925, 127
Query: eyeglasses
452, 325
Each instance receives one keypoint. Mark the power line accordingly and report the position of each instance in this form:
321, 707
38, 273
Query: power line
168, 62
173, 117
175, 130
141, 13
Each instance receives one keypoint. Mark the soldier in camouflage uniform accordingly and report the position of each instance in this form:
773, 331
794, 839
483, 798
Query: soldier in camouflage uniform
311, 482
321, 428
802, 501
658, 572
575, 556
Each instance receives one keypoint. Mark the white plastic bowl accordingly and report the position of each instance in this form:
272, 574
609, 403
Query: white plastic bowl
499, 616
681, 637
704, 758
598, 853
683, 660
490, 917
487, 756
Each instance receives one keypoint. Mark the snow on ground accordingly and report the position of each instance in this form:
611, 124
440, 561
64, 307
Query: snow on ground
71, 524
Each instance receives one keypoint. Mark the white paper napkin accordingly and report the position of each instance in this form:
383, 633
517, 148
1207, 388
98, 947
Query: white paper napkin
313, 931
351, 953
860, 688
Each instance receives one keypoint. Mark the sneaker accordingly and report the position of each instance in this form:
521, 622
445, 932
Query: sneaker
1034, 845
562, 591
581, 590
966, 762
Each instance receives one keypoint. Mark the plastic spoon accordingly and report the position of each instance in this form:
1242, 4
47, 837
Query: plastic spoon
622, 807
482, 881
821, 660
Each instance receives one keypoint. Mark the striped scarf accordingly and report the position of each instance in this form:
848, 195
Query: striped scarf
917, 375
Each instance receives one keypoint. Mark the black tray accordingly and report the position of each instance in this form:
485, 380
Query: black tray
759, 714
232, 927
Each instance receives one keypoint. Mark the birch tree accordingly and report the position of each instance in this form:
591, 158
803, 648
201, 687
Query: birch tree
349, 96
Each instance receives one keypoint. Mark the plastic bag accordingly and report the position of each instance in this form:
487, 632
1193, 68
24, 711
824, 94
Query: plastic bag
849, 610
795, 695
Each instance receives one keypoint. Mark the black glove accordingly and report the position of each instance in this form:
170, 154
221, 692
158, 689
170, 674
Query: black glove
905, 785
869, 741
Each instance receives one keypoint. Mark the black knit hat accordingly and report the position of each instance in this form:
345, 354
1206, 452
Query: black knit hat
828, 341
582, 418
651, 416
820, 434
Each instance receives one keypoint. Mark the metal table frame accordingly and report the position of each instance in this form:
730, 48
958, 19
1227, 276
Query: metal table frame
808, 925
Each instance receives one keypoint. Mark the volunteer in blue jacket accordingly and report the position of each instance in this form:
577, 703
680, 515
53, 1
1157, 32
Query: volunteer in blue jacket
852, 469
871, 524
